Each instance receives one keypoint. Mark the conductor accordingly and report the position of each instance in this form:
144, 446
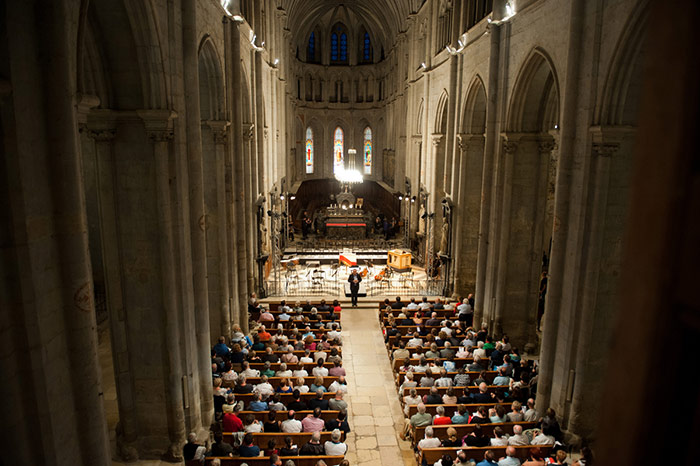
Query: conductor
354, 281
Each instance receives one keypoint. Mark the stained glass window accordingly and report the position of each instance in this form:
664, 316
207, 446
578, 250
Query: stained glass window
339, 44
311, 55
368, 151
334, 47
338, 149
309, 150
343, 47
366, 55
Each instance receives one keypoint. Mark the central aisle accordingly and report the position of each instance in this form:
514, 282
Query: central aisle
375, 413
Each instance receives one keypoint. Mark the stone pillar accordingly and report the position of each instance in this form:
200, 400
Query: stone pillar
510, 147
51, 388
220, 133
468, 211
103, 132
487, 186
160, 133
198, 220
591, 357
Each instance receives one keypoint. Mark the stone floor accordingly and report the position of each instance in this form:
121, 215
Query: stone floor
375, 413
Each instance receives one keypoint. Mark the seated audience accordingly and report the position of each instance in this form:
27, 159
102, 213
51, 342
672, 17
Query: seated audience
313, 447
248, 449
334, 447
291, 425
339, 423
518, 438
289, 449
313, 422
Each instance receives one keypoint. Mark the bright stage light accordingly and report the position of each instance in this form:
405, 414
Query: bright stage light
348, 176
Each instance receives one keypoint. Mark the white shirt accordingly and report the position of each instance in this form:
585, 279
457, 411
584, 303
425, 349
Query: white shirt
337, 387
291, 426
518, 440
543, 440
429, 443
412, 306
333, 335
286, 373
423, 306
499, 442
264, 389
250, 373
302, 388
300, 373
304, 359
335, 449
322, 371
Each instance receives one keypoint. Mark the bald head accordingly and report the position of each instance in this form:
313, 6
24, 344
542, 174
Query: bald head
483, 387
517, 429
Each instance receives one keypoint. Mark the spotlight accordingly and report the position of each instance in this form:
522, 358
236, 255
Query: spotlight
400, 197
413, 199
292, 197
281, 197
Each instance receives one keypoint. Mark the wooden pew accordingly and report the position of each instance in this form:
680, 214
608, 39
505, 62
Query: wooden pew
458, 390
265, 460
450, 410
459, 362
490, 375
285, 397
299, 439
282, 415
465, 429
275, 366
275, 381
431, 455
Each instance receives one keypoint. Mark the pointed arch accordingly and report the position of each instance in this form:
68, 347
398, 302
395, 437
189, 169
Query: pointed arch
474, 114
534, 105
620, 96
339, 38
211, 88
441, 114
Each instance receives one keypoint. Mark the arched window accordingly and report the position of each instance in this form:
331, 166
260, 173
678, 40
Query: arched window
311, 51
339, 44
309, 150
366, 48
368, 151
338, 141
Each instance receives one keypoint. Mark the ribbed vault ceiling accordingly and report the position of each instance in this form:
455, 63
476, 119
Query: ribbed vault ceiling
386, 15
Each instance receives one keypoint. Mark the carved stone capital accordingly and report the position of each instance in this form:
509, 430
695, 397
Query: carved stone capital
158, 124
605, 149
163, 135
465, 139
219, 130
101, 135
509, 147
437, 139
546, 146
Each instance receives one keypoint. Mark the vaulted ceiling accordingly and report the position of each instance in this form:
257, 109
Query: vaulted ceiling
385, 17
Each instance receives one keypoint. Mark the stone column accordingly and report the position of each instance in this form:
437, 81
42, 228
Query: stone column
510, 147
51, 405
220, 132
103, 132
198, 220
160, 133
591, 359
468, 211
490, 153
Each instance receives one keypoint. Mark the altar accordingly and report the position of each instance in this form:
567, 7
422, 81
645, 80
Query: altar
346, 226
